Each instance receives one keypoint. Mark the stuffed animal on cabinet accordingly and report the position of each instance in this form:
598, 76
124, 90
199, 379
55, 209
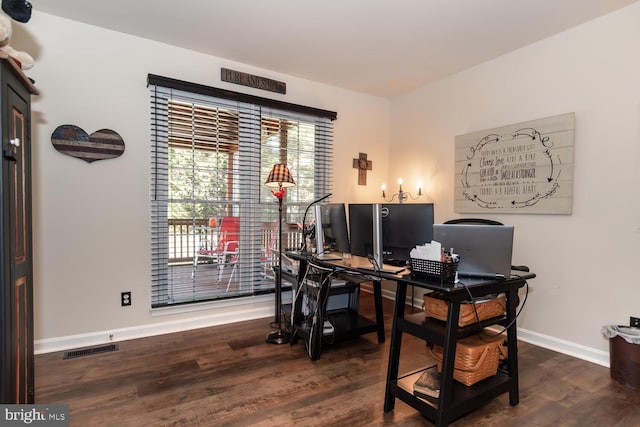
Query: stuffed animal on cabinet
6, 30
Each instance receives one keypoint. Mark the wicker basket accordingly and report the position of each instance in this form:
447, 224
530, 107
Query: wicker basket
443, 271
477, 358
438, 309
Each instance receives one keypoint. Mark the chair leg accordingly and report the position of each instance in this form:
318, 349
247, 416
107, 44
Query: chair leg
267, 270
220, 269
233, 270
195, 265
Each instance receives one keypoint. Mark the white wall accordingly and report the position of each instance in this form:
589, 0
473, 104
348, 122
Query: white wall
91, 234
585, 262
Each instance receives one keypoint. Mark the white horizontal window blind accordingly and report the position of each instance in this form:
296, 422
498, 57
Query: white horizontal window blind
213, 222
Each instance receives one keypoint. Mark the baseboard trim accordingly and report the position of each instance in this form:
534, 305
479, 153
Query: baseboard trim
255, 310
264, 309
569, 348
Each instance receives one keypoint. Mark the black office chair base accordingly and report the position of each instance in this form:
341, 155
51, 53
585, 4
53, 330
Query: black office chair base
277, 337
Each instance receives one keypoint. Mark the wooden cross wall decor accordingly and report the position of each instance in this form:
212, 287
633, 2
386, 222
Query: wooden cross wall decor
363, 165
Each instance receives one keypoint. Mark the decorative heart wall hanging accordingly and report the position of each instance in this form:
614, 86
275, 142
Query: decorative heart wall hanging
75, 142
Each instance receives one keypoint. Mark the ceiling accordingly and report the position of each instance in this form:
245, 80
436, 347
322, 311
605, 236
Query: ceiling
379, 47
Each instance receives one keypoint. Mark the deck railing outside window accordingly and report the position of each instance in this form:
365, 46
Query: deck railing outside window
187, 236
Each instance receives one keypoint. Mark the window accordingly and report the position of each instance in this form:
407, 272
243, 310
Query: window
213, 222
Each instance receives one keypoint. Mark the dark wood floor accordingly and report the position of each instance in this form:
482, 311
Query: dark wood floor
228, 376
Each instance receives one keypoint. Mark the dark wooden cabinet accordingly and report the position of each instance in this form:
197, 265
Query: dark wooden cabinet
16, 265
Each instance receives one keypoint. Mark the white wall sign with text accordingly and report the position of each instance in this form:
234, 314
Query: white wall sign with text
520, 168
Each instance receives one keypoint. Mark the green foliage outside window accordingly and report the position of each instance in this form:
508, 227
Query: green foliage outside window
197, 183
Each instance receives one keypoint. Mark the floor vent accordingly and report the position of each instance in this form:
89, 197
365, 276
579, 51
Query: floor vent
88, 351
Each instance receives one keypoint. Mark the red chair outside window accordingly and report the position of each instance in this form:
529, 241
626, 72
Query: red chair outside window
226, 252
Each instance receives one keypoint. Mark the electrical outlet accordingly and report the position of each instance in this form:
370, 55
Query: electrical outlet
125, 298
634, 322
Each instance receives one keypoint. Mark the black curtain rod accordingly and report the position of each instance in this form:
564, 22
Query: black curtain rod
168, 82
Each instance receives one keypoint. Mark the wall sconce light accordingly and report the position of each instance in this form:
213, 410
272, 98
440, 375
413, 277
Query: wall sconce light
403, 196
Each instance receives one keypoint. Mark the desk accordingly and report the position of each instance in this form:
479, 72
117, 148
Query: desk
455, 399
347, 322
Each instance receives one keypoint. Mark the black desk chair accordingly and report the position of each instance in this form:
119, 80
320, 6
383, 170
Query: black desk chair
479, 221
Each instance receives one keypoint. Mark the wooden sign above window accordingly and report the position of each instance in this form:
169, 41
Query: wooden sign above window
250, 80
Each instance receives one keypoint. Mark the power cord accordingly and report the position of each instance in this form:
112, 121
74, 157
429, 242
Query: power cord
473, 302
373, 262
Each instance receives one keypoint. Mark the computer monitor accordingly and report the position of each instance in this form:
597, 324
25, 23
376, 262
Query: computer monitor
361, 228
400, 228
405, 225
332, 234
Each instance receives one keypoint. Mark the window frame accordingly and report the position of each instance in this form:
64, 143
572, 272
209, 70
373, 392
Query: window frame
266, 107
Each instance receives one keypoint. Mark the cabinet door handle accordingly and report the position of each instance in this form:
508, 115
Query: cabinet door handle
9, 151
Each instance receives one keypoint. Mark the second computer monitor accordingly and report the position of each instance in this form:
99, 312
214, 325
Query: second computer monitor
401, 228
405, 225
361, 228
332, 234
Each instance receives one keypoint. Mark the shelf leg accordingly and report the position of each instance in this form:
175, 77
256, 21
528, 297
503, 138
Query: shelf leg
448, 361
377, 298
396, 342
512, 346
